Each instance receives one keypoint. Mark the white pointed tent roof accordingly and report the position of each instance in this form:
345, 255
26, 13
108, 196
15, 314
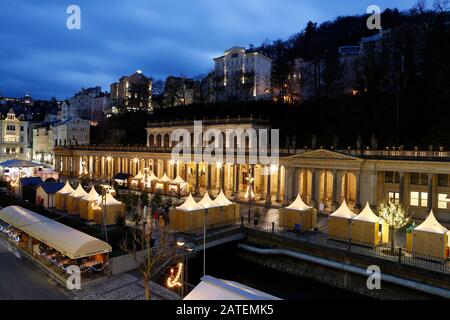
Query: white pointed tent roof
92, 195
343, 212
190, 205
367, 215
221, 200
179, 180
67, 189
152, 177
139, 176
432, 225
206, 202
298, 205
110, 200
165, 178
79, 192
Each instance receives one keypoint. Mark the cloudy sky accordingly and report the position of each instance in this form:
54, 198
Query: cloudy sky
39, 55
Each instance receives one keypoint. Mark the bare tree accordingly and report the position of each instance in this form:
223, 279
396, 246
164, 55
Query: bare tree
151, 247
441, 5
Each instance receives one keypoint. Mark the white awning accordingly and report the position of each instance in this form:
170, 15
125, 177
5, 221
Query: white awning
299, 205
67, 189
68, 241
79, 192
190, 205
109, 200
139, 176
206, 202
92, 195
152, 177
343, 212
211, 288
179, 180
165, 178
222, 200
432, 225
367, 215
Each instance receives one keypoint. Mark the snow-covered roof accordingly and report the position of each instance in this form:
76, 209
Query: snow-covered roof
221, 200
432, 225
92, 195
190, 205
343, 212
298, 205
67, 189
211, 288
79, 192
206, 202
367, 215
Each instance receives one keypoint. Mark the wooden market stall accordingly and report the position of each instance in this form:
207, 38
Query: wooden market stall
87, 203
161, 184
73, 199
45, 193
137, 182
178, 187
298, 216
148, 182
431, 238
339, 223
113, 210
61, 196
229, 210
368, 229
187, 217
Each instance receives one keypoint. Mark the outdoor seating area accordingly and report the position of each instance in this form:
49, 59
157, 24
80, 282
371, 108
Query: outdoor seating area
193, 215
54, 244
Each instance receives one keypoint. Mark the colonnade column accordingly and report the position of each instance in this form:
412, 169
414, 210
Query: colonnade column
314, 189
358, 204
236, 181
279, 197
197, 179
208, 177
287, 185
335, 190
430, 192
401, 189
269, 194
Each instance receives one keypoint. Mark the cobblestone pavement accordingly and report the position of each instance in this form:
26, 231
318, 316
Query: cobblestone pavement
125, 286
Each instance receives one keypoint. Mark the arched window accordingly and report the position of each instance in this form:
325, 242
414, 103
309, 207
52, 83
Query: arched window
151, 141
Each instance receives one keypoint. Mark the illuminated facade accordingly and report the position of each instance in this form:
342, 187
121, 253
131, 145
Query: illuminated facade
13, 137
132, 93
420, 180
242, 74
43, 144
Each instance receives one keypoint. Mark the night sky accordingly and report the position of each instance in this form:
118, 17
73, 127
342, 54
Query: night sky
39, 55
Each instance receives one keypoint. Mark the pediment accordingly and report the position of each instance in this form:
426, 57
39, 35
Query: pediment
323, 155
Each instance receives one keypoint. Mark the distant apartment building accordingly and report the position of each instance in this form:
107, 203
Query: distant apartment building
71, 132
132, 93
181, 91
349, 62
90, 104
13, 137
242, 74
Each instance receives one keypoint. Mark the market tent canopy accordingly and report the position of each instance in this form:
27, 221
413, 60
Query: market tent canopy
92, 195
139, 176
221, 200
152, 177
432, 225
79, 192
298, 205
68, 241
67, 189
343, 212
190, 205
211, 288
165, 178
110, 200
206, 202
179, 179
367, 215
15, 163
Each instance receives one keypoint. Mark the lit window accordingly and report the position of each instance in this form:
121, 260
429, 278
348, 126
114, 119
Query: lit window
394, 197
414, 199
442, 201
423, 199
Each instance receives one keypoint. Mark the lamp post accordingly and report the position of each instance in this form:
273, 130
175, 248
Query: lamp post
187, 249
109, 159
249, 194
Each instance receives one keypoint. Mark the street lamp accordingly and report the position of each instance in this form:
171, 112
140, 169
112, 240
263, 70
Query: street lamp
249, 194
187, 249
